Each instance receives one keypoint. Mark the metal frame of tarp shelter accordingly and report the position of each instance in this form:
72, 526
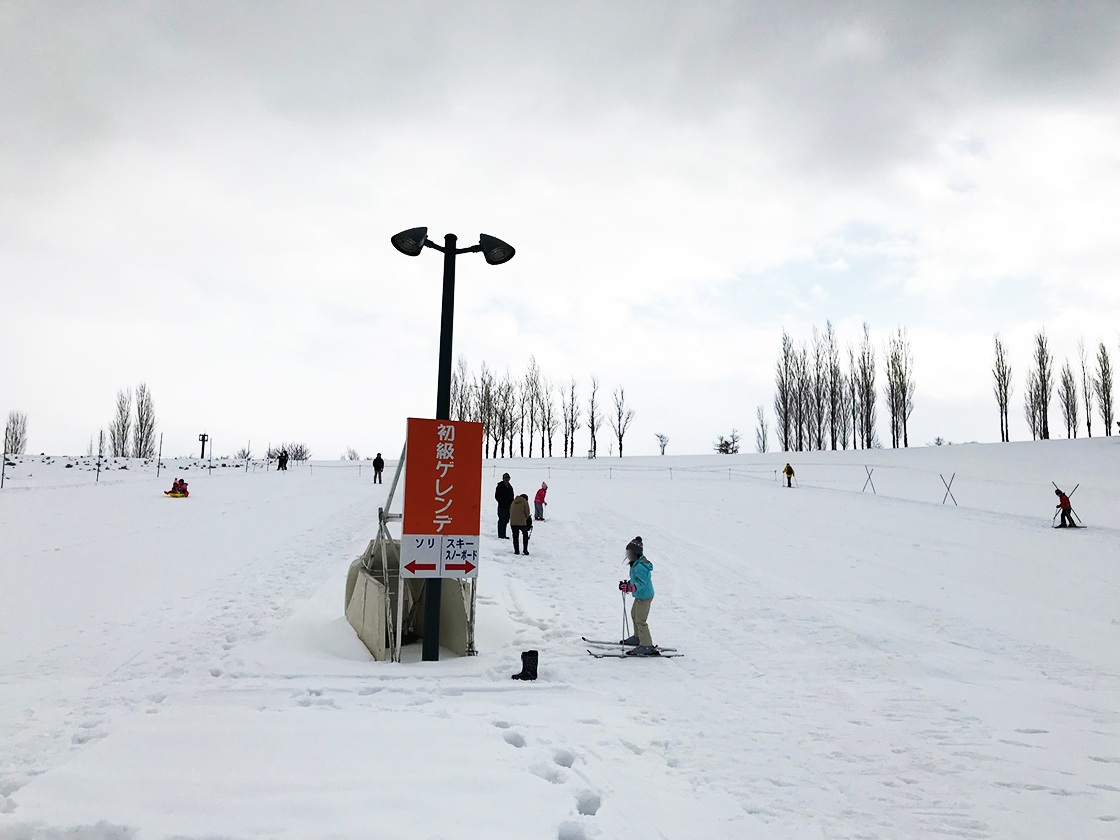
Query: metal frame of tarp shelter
396, 629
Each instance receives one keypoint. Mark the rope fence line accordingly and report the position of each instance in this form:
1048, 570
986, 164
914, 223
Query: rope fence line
852, 478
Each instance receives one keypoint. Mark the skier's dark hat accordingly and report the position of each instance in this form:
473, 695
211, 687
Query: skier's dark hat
635, 546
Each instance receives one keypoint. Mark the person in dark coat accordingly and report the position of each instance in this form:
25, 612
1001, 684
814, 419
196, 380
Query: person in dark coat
282, 461
378, 468
503, 495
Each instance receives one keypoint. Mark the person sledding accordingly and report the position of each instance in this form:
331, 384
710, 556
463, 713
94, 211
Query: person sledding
1066, 508
178, 489
641, 587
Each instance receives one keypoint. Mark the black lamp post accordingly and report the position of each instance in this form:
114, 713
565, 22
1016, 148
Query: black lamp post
495, 251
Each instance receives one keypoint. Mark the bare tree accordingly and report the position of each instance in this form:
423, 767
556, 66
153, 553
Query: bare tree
835, 386
899, 389
662, 441
531, 399
144, 432
1102, 385
594, 418
1032, 408
762, 433
549, 420
15, 433
1003, 387
1067, 399
1086, 386
352, 454
120, 427
728, 445
853, 400
243, 454
801, 379
818, 391
298, 451
462, 391
572, 417
844, 406
622, 417
506, 401
486, 409
1043, 380
866, 387
784, 394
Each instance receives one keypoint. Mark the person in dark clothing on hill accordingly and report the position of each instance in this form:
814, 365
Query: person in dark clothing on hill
1066, 508
378, 468
503, 495
282, 461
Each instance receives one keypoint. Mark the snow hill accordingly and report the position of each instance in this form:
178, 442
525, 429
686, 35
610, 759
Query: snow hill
856, 664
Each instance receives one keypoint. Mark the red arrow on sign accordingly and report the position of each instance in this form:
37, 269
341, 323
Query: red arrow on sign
415, 567
466, 567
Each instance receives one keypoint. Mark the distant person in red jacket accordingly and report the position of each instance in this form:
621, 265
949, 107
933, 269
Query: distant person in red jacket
1066, 508
539, 503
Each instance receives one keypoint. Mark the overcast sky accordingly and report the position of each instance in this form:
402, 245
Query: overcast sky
200, 197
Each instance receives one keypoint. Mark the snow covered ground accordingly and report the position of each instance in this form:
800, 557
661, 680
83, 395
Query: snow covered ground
856, 664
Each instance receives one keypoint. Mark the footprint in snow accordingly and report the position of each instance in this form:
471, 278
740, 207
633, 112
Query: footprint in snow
564, 758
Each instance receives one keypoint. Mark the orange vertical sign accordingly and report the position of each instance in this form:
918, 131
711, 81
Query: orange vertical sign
442, 498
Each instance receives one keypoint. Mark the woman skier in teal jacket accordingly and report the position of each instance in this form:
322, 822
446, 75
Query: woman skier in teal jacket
641, 587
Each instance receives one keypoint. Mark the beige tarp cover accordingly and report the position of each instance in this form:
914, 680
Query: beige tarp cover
371, 598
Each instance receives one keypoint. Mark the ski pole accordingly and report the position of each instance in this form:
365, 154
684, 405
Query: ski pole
625, 620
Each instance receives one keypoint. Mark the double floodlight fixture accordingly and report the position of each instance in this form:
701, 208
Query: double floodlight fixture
411, 242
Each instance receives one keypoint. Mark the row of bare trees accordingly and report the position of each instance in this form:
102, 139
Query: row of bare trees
521, 414
297, 451
15, 433
129, 434
1091, 382
820, 403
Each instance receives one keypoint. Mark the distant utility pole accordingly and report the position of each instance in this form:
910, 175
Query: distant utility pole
203, 437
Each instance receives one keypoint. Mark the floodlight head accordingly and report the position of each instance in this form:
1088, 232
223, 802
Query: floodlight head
410, 242
495, 250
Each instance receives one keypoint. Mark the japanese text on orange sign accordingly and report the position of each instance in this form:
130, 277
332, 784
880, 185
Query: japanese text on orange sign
443, 476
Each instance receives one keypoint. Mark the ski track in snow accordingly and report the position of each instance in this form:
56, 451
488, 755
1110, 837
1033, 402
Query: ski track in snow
855, 665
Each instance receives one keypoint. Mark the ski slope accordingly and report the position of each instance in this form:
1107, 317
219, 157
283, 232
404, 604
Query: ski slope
857, 664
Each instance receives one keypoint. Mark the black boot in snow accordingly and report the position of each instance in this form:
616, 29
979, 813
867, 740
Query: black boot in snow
633, 641
528, 666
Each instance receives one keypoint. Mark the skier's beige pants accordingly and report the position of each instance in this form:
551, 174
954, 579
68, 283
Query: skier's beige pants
640, 612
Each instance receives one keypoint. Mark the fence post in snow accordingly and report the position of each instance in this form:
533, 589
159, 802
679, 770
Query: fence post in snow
869, 481
948, 489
